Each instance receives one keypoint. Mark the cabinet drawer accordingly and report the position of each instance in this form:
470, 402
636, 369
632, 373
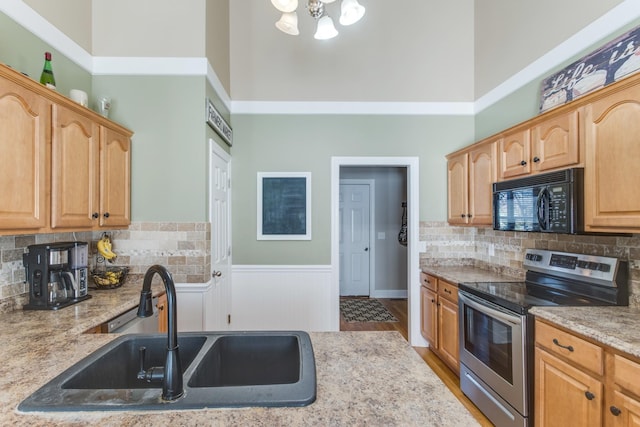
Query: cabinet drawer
429, 281
573, 348
448, 290
626, 374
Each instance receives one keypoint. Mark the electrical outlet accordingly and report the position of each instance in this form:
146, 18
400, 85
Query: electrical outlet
382, 235
492, 249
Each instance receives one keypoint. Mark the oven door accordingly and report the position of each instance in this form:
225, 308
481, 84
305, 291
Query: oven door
493, 347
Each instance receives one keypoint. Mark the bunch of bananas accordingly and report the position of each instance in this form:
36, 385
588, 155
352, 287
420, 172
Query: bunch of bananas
104, 248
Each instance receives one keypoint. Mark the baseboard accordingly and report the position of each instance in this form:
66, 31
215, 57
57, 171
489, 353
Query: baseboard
390, 293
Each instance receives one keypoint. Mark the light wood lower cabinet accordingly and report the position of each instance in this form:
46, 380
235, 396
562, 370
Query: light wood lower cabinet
439, 318
582, 383
163, 314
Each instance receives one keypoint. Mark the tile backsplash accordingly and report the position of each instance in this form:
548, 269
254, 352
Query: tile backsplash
184, 248
503, 251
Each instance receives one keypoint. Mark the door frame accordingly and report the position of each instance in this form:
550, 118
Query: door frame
372, 217
215, 304
413, 256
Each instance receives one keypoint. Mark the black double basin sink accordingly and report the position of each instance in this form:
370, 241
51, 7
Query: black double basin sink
234, 369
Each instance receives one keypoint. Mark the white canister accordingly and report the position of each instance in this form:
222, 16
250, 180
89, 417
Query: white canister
79, 96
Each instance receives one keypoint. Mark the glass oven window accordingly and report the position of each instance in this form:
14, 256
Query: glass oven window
490, 341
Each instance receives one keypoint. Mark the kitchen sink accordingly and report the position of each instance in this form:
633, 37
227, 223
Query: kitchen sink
249, 360
220, 369
118, 367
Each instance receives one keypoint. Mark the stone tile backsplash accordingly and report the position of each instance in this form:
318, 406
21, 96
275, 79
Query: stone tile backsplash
184, 248
503, 251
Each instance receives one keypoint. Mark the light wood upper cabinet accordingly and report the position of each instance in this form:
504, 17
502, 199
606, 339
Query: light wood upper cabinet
67, 168
554, 143
24, 132
547, 145
471, 175
612, 172
115, 178
514, 151
458, 188
74, 165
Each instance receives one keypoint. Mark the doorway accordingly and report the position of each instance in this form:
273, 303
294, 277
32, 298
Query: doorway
413, 261
357, 201
217, 317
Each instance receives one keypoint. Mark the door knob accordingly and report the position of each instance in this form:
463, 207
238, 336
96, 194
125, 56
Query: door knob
366, 249
216, 273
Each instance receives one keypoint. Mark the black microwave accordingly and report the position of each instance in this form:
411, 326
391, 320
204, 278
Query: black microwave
548, 203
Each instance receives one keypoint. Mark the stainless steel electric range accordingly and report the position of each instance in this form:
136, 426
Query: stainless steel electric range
496, 329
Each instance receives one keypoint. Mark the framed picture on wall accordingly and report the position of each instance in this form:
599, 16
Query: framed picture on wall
284, 206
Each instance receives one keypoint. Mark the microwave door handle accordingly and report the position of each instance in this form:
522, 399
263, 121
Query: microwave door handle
542, 208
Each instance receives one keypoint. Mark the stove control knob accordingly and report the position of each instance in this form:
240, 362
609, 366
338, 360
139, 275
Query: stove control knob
605, 268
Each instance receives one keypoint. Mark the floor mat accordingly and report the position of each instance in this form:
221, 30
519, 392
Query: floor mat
365, 310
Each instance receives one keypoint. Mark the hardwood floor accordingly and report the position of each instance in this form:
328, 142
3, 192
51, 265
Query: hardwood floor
398, 307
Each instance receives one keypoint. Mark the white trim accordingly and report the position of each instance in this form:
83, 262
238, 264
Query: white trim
148, 66
344, 108
617, 17
372, 226
218, 87
34, 23
413, 256
390, 293
256, 268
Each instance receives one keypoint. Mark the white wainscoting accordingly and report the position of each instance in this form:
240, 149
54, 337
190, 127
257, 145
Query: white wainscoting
282, 297
192, 300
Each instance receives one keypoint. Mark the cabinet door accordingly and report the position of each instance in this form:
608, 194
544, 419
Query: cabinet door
554, 142
625, 411
458, 190
163, 315
74, 174
429, 316
514, 152
564, 395
448, 333
612, 150
24, 131
482, 175
115, 178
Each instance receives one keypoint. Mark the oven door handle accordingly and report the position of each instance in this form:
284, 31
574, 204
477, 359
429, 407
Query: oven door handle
489, 308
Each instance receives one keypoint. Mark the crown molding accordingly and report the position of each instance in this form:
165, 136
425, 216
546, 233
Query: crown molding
621, 15
353, 108
618, 17
43, 29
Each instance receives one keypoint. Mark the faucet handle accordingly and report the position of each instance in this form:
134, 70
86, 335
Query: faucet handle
142, 353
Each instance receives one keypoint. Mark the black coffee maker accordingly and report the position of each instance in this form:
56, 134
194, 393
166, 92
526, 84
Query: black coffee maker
57, 274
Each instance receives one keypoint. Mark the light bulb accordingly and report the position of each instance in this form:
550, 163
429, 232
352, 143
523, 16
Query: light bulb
326, 29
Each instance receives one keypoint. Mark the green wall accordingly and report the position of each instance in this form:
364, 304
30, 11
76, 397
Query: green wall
306, 143
169, 153
24, 52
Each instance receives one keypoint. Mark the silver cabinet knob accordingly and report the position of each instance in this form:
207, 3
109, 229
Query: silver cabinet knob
216, 273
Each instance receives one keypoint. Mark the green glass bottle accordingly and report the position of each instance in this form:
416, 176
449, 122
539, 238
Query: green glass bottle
47, 78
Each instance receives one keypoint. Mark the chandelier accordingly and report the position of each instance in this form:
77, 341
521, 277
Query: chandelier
350, 13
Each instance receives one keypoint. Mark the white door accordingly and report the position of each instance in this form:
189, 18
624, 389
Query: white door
354, 239
218, 317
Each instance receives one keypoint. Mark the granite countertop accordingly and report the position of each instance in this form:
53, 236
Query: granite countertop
616, 327
460, 274
364, 378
